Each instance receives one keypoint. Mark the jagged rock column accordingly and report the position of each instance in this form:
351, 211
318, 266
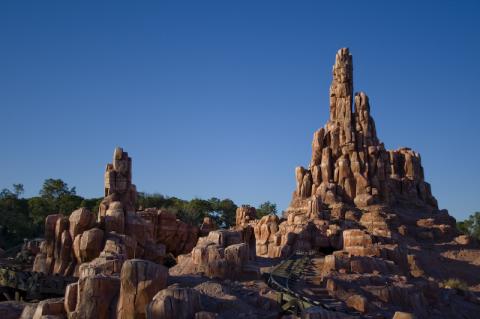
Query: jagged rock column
349, 164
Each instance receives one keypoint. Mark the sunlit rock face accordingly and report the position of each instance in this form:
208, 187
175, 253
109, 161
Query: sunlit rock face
85, 243
352, 181
349, 164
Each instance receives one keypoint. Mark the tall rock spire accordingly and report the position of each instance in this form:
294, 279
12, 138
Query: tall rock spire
349, 164
341, 95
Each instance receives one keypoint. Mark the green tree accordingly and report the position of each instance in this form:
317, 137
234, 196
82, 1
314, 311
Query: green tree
470, 226
14, 219
18, 189
145, 200
59, 197
266, 208
195, 210
39, 208
55, 198
223, 211
55, 188
92, 204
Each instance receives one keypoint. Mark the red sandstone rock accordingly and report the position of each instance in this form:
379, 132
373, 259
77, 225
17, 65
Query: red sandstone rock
70, 302
463, 240
91, 244
177, 236
244, 214
358, 243
140, 281
80, 220
219, 255
115, 218
349, 163
265, 234
174, 303
358, 303
96, 297
49, 307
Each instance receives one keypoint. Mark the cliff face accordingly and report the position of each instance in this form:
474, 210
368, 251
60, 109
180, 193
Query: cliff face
349, 164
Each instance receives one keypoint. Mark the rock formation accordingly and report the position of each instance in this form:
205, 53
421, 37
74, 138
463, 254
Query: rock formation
381, 246
104, 243
221, 254
349, 164
118, 184
353, 179
177, 236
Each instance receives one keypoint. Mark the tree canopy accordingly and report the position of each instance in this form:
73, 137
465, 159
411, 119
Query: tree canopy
471, 225
266, 208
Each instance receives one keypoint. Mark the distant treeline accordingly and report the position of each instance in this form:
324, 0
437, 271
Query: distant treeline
24, 217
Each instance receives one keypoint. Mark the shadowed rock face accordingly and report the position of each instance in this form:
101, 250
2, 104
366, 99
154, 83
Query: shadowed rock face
349, 164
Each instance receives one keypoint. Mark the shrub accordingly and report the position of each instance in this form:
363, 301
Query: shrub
455, 283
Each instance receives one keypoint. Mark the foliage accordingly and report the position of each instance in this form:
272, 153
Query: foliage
14, 218
193, 211
145, 200
470, 226
55, 188
455, 283
25, 217
92, 204
266, 208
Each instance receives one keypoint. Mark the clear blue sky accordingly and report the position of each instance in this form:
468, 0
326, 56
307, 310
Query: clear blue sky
221, 98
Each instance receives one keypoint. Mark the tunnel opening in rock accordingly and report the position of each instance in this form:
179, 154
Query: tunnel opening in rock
327, 250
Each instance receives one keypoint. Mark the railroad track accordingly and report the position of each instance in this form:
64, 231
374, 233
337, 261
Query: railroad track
294, 279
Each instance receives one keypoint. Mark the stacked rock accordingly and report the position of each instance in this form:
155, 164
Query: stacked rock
101, 244
349, 164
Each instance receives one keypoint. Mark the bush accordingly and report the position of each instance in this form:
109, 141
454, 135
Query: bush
455, 283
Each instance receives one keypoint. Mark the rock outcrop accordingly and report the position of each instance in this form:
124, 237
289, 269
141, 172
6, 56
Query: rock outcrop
221, 254
140, 281
101, 244
177, 236
118, 184
174, 303
349, 164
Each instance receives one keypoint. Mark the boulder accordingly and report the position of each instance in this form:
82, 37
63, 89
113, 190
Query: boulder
91, 244
244, 215
463, 240
49, 307
115, 218
358, 243
236, 257
70, 302
80, 220
140, 281
358, 303
96, 297
174, 303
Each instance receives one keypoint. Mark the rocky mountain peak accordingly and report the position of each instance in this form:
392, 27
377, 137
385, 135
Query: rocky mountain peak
349, 164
